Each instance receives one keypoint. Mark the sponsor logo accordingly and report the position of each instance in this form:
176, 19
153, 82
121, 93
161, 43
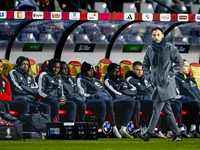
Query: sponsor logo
84, 48
129, 16
182, 17
147, 17
130, 127
55, 131
38, 15
192, 84
74, 16
3, 14
19, 14
165, 17
97, 84
106, 127
8, 131
92, 16
56, 15
197, 17
183, 48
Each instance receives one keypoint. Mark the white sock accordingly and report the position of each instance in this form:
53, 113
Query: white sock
123, 128
181, 129
99, 130
193, 127
115, 128
156, 129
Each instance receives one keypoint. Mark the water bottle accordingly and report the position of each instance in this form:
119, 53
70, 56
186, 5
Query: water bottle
144, 129
141, 129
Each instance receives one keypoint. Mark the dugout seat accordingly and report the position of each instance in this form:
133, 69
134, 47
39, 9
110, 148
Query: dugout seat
101, 68
7, 67
125, 65
74, 67
34, 68
195, 71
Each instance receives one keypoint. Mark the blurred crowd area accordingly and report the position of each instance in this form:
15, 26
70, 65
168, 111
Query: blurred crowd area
136, 6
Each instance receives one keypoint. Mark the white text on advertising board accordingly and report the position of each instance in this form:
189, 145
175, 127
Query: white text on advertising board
165, 17
182, 17
197, 17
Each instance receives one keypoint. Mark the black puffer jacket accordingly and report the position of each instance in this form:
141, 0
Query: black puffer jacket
119, 88
187, 89
50, 86
144, 88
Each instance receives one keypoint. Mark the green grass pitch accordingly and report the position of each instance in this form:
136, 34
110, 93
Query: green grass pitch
102, 144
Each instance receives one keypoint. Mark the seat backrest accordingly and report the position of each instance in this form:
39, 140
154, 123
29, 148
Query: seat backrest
74, 67
146, 8
34, 68
195, 69
101, 68
195, 8
101, 7
126, 65
129, 8
7, 67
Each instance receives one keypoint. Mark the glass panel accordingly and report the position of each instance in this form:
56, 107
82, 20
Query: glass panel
95, 32
140, 32
185, 34
7, 29
45, 31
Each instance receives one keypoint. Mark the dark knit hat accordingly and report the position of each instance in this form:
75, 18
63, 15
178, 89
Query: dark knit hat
85, 67
112, 66
20, 59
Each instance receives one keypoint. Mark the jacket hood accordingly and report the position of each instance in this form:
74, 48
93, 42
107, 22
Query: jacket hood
180, 75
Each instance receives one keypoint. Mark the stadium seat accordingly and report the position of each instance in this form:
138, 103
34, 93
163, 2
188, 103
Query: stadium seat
46, 38
7, 67
82, 38
28, 38
13, 113
146, 8
74, 67
70, 39
34, 69
195, 69
125, 65
195, 8
180, 7
101, 7
129, 8
188, 2
101, 68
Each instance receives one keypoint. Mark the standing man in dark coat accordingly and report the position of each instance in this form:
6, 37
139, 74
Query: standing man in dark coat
160, 56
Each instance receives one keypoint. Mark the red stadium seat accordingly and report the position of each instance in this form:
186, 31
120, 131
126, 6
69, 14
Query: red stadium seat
64, 112
13, 113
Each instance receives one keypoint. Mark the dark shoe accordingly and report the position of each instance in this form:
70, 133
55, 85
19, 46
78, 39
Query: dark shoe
193, 134
177, 138
183, 134
144, 136
102, 135
136, 132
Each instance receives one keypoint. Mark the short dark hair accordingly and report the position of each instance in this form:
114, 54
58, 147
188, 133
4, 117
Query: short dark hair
0, 60
137, 63
62, 63
157, 28
184, 60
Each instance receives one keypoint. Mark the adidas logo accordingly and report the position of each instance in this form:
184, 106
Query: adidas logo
129, 17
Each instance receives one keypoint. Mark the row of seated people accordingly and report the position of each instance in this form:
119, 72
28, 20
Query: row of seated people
124, 97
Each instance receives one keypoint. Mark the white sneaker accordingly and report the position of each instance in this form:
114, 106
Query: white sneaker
116, 134
169, 134
124, 134
162, 135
